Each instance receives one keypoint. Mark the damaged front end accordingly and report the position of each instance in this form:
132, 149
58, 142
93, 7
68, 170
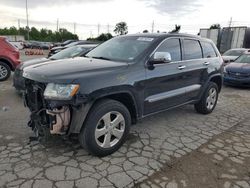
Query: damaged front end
51, 114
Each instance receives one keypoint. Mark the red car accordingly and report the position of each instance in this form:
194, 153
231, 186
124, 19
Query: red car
9, 58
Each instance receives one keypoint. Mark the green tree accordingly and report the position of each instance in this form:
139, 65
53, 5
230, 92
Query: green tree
121, 28
176, 29
34, 34
102, 37
40, 35
215, 26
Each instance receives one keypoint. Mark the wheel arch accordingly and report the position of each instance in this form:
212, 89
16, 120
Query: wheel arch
8, 62
124, 97
218, 80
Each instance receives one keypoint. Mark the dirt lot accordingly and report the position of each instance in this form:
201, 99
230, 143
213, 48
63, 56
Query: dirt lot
177, 148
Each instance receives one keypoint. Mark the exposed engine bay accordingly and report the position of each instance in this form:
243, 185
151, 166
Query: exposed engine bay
45, 117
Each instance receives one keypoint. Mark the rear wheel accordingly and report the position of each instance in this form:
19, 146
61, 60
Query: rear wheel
4, 71
106, 128
209, 99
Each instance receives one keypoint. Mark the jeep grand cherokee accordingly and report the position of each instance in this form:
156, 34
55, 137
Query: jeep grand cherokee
119, 82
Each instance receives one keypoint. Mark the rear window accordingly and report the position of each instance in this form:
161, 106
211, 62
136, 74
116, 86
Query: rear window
192, 49
9, 44
208, 50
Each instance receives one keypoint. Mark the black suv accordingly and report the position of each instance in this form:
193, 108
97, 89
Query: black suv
119, 82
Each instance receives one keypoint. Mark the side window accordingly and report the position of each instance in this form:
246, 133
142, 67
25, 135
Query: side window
192, 49
208, 50
173, 47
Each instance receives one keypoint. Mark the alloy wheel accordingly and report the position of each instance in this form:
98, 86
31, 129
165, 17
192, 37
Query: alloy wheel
211, 99
3, 72
110, 129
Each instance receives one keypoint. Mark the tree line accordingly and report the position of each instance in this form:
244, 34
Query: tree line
43, 34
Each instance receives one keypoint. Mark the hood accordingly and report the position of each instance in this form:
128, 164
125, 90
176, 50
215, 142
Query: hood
58, 48
68, 70
229, 58
238, 67
32, 62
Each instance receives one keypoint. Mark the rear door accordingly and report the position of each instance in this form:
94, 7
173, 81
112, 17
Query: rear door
196, 66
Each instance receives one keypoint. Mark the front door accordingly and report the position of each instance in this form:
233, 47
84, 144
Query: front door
165, 85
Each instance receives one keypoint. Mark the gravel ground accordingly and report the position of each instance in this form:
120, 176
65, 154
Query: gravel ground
177, 148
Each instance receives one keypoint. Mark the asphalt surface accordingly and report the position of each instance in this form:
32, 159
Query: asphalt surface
177, 148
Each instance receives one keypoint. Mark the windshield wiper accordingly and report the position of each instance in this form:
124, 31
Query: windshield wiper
104, 58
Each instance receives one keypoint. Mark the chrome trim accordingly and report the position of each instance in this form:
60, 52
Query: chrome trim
173, 93
181, 67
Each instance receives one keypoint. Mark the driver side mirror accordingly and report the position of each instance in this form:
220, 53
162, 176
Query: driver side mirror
161, 57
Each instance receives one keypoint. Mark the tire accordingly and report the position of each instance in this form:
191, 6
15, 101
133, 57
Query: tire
4, 71
206, 105
101, 135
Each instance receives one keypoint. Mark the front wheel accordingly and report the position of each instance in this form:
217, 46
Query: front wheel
106, 128
4, 71
209, 99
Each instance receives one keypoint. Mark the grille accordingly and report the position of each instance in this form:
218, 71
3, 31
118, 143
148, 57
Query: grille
34, 95
239, 74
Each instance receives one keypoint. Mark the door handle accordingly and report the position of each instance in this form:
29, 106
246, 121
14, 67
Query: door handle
206, 63
181, 67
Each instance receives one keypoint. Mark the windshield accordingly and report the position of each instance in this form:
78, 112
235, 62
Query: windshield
125, 48
234, 52
70, 52
243, 59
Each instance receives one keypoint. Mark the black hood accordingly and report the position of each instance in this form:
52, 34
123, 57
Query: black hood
238, 67
68, 70
32, 62
58, 48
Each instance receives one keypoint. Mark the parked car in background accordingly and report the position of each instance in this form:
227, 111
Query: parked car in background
37, 45
232, 54
67, 42
18, 45
9, 58
238, 72
74, 51
119, 82
60, 48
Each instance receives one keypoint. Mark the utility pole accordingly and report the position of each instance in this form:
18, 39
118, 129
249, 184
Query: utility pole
98, 29
74, 28
108, 28
18, 21
57, 25
153, 26
230, 22
27, 18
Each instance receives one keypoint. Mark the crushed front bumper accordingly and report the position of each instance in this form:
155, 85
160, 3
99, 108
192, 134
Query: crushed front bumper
50, 116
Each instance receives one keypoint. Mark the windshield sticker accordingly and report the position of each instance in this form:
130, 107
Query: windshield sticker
145, 39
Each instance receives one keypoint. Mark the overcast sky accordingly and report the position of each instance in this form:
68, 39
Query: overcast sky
139, 14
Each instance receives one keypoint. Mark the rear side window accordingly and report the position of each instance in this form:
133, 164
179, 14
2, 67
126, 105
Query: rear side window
173, 47
208, 50
192, 49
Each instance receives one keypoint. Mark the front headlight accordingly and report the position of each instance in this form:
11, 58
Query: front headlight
60, 91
